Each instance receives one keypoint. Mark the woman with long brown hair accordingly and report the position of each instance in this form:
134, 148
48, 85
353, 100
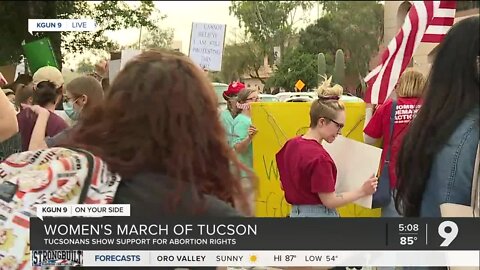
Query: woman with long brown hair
158, 127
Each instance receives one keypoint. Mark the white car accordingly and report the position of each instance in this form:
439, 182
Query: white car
311, 96
268, 98
219, 89
296, 96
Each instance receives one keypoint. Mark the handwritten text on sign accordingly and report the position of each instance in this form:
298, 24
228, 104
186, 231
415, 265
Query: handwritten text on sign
206, 45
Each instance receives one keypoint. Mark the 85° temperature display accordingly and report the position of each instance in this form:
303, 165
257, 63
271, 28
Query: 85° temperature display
430, 234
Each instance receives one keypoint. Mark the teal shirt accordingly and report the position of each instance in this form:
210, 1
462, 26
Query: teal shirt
241, 123
227, 122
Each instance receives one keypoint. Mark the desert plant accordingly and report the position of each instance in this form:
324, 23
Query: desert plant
338, 71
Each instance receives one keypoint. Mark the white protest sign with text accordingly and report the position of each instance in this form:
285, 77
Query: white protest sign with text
206, 45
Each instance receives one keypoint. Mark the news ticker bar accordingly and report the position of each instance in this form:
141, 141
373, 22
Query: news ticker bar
264, 258
134, 233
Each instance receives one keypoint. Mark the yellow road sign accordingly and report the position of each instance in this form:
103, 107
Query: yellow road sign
299, 85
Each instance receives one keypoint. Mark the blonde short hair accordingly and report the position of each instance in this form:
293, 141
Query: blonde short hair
411, 83
328, 103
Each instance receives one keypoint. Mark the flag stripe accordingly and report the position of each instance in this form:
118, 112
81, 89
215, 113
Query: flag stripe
443, 12
448, 4
442, 21
368, 93
433, 38
437, 29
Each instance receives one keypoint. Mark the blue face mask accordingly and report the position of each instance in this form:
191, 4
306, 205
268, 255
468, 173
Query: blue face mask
70, 111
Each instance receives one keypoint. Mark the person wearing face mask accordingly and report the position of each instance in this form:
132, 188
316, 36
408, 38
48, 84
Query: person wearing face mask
243, 133
82, 95
243, 130
228, 115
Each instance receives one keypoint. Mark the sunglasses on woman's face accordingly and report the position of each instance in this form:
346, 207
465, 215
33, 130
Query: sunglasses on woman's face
339, 126
254, 99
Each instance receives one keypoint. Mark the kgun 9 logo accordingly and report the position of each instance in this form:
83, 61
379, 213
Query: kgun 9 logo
49, 25
448, 230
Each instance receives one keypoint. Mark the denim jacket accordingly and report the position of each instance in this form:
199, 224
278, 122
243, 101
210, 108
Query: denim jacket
451, 173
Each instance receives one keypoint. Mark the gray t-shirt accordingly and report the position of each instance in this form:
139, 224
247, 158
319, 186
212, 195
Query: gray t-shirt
149, 194
57, 139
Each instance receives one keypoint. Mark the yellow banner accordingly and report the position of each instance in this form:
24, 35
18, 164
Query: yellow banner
276, 123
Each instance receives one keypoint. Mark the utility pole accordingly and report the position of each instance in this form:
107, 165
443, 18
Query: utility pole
140, 38
235, 30
318, 10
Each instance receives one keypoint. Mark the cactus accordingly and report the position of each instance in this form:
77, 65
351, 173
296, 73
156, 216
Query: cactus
339, 70
322, 67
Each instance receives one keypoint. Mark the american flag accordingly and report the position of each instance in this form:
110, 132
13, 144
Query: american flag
426, 21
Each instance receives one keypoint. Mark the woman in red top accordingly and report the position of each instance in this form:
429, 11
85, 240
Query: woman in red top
307, 172
408, 91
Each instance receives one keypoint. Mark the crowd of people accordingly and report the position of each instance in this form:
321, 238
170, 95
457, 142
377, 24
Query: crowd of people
157, 125
431, 146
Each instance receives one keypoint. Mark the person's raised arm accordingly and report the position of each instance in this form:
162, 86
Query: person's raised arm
245, 136
37, 140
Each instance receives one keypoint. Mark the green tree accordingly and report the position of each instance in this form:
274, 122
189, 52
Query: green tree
321, 37
85, 66
108, 15
216, 77
296, 65
242, 58
354, 27
269, 23
158, 38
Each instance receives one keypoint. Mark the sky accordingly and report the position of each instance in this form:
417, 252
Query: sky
181, 15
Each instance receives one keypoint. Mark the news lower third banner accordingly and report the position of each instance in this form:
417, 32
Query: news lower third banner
249, 242
129, 233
